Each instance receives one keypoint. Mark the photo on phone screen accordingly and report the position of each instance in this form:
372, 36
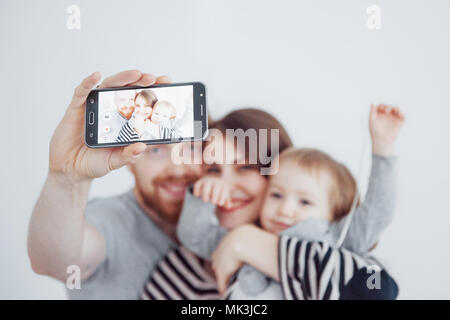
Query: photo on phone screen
153, 114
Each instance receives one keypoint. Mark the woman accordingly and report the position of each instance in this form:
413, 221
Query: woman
141, 112
182, 275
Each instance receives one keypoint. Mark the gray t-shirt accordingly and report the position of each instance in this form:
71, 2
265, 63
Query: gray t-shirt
134, 244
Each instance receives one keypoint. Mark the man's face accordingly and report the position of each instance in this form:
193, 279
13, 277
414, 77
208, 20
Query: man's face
124, 100
161, 183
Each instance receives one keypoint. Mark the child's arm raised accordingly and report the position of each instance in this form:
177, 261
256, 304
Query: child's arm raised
376, 212
198, 228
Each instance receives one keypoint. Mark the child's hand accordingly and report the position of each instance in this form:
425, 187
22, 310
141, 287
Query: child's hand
384, 124
213, 190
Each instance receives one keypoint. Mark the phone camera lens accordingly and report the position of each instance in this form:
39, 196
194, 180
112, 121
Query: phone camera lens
91, 100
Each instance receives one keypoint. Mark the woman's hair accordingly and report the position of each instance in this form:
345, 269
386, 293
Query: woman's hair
252, 118
148, 95
343, 185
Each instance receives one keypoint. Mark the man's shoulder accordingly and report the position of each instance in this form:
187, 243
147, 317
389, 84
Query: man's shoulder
122, 207
115, 203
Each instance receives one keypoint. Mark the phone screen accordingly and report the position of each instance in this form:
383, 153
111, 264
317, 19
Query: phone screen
158, 113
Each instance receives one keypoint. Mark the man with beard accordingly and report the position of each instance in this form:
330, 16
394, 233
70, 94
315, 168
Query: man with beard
114, 241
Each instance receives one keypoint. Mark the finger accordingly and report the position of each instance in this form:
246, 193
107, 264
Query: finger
82, 91
228, 202
123, 156
221, 283
223, 197
388, 109
147, 79
121, 79
373, 111
198, 187
163, 79
206, 192
216, 191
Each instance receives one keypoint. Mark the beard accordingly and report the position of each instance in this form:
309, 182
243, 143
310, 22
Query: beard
166, 210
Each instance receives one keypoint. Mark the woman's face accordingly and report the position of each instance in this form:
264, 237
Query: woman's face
247, 191
143, 107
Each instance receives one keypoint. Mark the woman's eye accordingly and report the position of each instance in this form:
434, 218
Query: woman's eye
246, 168
276, 195
213, 170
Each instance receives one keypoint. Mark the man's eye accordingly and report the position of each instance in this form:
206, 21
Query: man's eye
155, 150
276, 195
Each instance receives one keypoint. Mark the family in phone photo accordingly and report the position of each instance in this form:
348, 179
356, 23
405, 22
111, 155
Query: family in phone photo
145, 114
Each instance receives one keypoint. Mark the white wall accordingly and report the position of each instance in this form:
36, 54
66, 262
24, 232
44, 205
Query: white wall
314, 64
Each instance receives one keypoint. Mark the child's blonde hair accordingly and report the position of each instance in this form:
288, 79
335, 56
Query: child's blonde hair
343, 188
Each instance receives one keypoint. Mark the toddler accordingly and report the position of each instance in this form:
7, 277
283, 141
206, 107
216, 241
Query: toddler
160, 124
307, 198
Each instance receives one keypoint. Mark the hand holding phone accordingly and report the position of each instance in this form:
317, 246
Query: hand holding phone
69, 155
162, 113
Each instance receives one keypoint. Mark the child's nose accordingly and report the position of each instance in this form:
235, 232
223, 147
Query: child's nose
286, 209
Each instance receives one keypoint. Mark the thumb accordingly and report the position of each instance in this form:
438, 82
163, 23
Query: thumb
221, 283
123, 156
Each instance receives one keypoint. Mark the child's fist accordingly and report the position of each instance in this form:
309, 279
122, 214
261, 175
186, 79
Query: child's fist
213, 190
384, 124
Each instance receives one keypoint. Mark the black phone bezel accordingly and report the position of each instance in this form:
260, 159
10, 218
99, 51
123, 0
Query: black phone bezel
200, 114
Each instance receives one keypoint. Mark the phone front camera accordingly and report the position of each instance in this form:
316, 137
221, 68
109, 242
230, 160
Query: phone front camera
91, 100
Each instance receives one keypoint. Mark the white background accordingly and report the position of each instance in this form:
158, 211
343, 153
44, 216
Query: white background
313, 64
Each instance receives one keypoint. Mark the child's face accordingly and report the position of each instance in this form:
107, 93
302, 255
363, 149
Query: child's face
143, 107
247, 190
161, 113
295, 194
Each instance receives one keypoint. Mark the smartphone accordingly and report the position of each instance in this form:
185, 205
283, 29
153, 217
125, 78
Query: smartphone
158, 114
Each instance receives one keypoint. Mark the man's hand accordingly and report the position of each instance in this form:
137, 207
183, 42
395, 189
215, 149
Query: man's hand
384, 124
213, 190
69, 154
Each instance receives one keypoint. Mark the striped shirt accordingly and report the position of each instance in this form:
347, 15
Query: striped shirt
168, 133
127, 134
307, 271
180, 276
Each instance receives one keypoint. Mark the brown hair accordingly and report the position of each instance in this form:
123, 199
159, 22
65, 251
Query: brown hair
343, 189
148, 95
252, 118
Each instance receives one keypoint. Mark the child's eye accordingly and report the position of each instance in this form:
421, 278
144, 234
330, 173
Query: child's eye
276, 195
305, 202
